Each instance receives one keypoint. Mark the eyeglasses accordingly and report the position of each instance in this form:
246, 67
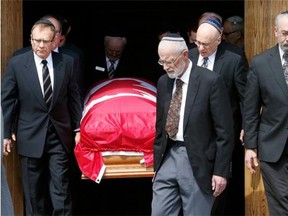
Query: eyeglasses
228, 33
39, 41
205, 45
162, 62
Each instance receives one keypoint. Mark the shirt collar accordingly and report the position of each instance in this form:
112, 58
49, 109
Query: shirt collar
211, 57
108, 60
281, 52
38, 60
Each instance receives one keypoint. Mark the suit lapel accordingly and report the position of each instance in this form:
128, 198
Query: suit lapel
191, 93
31, 75
170, 83
219, 60
58, 76
275, 65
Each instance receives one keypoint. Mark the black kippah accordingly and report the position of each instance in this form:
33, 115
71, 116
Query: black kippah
45, 22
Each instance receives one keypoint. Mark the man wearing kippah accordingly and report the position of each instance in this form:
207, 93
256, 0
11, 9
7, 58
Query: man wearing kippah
233, 70
194, 134
224, 44
233, 31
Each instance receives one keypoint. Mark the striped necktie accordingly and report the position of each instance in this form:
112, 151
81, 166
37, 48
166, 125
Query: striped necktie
111, 69
46, 84
205, 62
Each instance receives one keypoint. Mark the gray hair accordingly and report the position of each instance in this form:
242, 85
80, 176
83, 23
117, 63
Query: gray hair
279, 16
109, 38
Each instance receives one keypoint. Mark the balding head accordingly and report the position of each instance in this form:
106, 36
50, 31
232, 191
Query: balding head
208, 31
208, 38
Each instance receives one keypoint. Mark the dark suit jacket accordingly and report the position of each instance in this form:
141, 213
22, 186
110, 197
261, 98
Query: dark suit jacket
73, 54
233, 69
6, 199
233, 48
127, 67
266, 89
208, 124
227, 46
78, 65
20, 83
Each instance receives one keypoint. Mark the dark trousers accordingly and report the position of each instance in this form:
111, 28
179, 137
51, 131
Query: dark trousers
46, 180
275, 179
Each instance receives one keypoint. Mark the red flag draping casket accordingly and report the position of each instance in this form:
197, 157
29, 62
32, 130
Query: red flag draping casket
118, 119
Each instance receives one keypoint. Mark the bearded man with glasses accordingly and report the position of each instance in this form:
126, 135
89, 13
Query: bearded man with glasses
194, 134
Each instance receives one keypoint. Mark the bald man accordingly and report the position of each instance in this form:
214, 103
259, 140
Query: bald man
224, 44
233, 69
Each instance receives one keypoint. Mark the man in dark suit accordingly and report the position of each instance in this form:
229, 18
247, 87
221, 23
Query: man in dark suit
48, 119
233, 69
191, 167
224, 44
113, 62
266, 118
78, 64
6, 199
233, 31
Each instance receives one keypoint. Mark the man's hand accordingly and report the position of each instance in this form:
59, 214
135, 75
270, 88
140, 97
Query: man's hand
251, 160
77, 137
7, 146
241, 137
218, 185
13, 136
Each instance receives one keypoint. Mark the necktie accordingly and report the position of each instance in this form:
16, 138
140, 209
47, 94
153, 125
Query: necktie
285, 67
46, 83
205, 62
174, 110
111, 69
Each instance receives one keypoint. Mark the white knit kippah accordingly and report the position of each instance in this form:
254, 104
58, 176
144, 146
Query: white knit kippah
173, 37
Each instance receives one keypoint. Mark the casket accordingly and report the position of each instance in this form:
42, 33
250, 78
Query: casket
117, 130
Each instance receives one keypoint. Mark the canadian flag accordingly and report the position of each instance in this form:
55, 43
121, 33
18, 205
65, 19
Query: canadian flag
118, 119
